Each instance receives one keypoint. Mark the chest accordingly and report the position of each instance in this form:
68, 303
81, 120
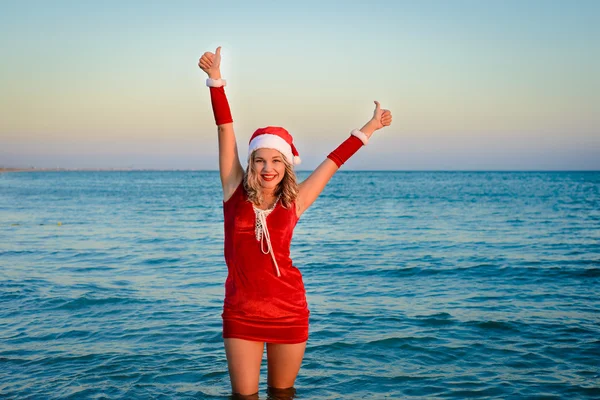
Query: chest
279, 221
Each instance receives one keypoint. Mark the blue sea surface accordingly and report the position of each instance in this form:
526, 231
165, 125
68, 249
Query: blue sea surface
421, 285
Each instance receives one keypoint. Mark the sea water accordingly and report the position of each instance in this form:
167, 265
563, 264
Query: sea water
420, 285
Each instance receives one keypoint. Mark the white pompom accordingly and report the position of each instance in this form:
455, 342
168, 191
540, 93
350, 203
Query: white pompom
297, 160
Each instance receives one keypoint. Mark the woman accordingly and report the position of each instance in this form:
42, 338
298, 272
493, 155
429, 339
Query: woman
265, 299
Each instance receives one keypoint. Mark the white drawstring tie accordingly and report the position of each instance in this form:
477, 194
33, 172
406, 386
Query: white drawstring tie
262, 232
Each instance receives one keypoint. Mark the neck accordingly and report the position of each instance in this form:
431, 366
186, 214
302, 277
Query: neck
268, 194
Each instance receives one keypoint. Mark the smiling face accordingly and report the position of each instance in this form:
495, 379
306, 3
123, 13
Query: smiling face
269, 166
269, 173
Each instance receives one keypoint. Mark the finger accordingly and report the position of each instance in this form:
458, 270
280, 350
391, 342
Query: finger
218, 51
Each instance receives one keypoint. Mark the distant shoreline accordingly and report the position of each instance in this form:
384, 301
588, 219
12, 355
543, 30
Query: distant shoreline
16, 170
64, 169
93, 170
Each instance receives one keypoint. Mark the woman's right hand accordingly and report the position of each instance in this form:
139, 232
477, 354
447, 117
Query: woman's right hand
211, 63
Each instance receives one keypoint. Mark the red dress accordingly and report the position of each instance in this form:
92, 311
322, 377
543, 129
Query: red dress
259, 305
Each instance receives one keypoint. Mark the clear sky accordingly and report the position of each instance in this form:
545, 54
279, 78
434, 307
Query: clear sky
473, 85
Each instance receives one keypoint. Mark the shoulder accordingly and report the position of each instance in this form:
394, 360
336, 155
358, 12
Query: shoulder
232, 191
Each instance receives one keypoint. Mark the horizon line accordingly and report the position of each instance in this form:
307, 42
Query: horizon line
120, 169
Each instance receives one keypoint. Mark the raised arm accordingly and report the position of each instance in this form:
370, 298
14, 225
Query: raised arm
312, 187
230, 168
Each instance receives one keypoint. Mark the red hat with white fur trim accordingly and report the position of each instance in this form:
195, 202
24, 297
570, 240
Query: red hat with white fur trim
274, 137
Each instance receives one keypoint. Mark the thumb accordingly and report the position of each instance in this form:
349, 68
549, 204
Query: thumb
218, 51
377, 106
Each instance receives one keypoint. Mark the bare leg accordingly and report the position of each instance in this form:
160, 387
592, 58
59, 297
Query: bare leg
243, 361
284, 362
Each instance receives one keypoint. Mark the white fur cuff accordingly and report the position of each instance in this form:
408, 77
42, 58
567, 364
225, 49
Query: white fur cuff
361, 135
215, 82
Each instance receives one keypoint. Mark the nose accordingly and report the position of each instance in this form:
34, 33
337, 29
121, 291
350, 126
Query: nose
267, 167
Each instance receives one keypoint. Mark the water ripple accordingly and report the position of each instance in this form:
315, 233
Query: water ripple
427, 285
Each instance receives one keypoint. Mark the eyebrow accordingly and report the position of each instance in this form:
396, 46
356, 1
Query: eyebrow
272, 158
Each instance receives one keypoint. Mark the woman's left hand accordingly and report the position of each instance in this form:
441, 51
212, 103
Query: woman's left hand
381, 117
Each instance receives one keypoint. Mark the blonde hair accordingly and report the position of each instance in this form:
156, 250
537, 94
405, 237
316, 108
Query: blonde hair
287, 188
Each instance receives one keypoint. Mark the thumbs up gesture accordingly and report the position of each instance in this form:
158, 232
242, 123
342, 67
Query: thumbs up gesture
211, 63
381, 117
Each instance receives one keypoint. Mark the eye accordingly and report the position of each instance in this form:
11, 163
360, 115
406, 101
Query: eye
277, 160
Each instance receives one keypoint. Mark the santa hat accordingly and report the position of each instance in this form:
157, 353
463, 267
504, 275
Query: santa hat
274, 137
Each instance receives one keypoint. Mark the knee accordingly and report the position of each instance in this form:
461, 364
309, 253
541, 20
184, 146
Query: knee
244, 390
280, 393
239, 396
